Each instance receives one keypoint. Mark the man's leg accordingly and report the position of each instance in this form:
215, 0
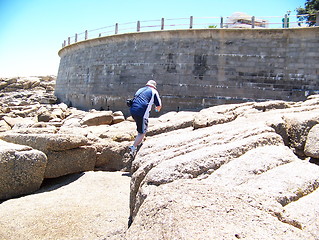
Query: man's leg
141, 129
139, 138
142, 124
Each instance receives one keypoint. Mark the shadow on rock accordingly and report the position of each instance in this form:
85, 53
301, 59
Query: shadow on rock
51, 184
314, 161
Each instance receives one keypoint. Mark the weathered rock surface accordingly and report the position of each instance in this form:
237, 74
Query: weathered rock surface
91, 205
191, 209
312, 142
66, 153
4, 126
112, 156
34, 98
239, 171
240, 174
27, 119
21, 169
98, 118
46, 142
71, 161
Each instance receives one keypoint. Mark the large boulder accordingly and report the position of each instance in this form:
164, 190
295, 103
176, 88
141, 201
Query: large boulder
112, 156
46, 142
298, 125
21, 169
121, 132
74, 160
184, 154
312, 142
66, 153
239, 177
95, 118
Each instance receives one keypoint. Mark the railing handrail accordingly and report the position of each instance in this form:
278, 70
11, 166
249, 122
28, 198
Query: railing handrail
192, 22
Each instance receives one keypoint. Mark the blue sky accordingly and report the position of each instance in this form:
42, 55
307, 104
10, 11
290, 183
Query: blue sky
32, 31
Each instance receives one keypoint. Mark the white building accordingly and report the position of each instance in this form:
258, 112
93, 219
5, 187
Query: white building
243, 20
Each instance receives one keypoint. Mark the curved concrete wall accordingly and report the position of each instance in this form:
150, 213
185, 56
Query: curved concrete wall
194, 68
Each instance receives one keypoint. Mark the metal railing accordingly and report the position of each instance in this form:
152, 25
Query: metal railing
191, 23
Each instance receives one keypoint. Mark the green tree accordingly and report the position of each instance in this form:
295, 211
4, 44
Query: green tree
312, 8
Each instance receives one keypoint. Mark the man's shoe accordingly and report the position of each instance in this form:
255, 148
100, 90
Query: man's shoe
132, 150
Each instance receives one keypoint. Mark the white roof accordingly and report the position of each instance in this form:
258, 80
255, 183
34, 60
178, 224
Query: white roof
242, 16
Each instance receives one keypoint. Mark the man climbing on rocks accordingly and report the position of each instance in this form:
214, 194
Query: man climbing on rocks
143, 100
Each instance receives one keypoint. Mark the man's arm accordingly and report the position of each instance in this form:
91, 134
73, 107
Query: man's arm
157, 102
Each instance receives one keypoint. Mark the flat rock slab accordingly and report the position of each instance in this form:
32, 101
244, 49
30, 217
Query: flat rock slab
46, 142
92, 205
97, 118
191, 209
70, 161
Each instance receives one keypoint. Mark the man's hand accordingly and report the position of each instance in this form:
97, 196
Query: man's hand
158, 108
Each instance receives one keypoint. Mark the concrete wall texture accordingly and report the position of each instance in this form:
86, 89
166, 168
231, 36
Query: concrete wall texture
194, 68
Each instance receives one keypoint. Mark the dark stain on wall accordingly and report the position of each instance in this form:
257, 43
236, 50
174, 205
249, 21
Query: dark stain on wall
170, 63
200, 66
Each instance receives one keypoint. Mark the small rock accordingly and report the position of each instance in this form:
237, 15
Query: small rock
97, 118
118, 119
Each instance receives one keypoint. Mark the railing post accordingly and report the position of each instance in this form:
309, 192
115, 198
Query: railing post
221, 22
191, 22
253, 22
285, 21
138, 28
317, 19
69, 40
162, 24
86, 35
76, 38
116, 28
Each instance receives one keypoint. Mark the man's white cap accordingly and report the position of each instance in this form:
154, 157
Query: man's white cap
151, 83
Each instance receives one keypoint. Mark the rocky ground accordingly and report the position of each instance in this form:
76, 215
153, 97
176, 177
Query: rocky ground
239, 171
51, 183
242, 171
90, 205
